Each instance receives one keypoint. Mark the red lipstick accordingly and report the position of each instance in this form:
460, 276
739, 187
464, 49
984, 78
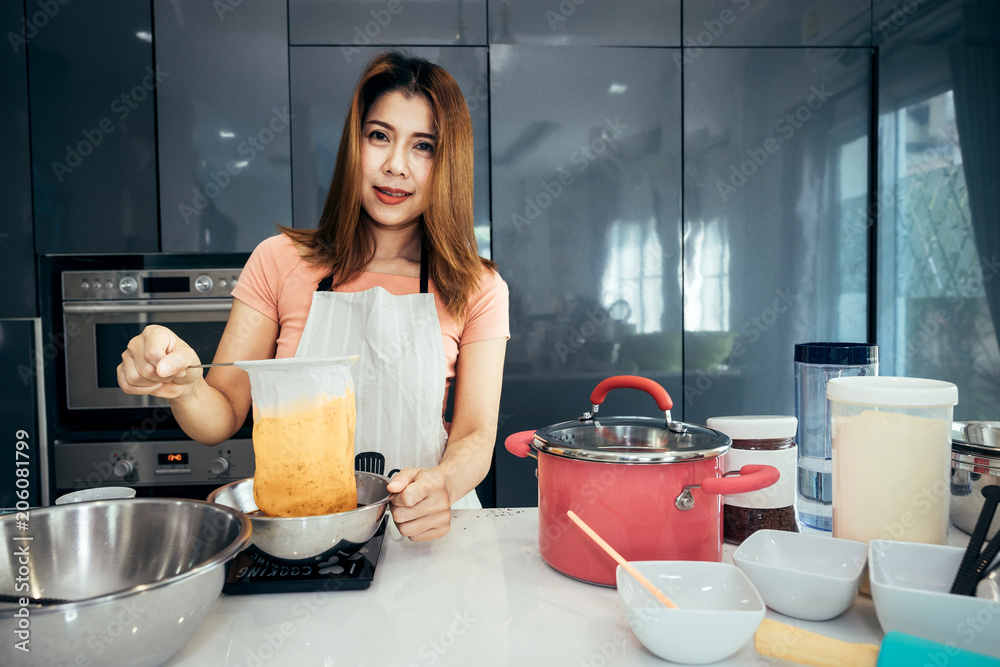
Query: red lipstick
391, 196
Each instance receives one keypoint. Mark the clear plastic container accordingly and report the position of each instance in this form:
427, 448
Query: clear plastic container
891, 457
815, 365
303, 435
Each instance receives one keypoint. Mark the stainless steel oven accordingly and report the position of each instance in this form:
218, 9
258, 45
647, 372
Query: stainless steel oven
104, 310
102, 436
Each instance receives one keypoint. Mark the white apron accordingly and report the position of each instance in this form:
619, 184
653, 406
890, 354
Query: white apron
399, 379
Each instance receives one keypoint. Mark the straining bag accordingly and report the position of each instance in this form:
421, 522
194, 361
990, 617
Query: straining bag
303, 435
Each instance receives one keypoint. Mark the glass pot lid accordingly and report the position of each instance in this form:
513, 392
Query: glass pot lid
630, 440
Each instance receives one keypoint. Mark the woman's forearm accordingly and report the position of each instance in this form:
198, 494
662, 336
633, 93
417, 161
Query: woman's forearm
206, 414
466, 460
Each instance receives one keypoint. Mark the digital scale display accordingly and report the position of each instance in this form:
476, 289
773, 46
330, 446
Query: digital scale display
172, 459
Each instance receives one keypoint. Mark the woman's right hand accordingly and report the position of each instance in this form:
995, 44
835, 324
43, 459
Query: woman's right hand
156, 363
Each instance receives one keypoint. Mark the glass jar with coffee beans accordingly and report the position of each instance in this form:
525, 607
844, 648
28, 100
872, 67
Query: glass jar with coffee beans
766, 440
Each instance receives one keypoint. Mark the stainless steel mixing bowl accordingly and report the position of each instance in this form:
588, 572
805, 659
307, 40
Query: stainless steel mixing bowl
141, 574
975, 463
308, 538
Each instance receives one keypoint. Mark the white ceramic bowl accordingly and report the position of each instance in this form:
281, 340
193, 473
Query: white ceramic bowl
812, 577
910, 583
96, 493
718, 609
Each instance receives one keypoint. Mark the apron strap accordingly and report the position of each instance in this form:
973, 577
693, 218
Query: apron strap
425, 269
325, 284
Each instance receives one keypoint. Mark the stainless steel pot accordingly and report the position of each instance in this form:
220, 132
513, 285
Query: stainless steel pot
975, 463
308, 538
141, 575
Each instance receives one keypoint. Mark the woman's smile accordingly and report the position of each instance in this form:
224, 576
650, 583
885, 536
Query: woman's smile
391, 196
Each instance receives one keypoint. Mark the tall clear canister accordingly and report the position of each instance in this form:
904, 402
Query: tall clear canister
815, 365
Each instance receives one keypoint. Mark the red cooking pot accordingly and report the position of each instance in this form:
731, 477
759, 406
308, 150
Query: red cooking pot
651, 488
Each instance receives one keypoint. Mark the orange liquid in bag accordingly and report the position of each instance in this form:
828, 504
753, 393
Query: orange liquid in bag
305, 458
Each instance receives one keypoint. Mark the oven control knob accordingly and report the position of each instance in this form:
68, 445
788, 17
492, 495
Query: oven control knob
123, 468
203, 283
128, 285
218, 465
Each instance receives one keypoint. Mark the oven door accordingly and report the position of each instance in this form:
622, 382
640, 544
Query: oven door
97, 332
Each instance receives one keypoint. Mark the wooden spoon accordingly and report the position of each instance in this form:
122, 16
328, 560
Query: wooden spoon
621, 561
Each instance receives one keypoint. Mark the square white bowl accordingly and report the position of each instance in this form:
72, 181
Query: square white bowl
910, 583
718, 609
812, 577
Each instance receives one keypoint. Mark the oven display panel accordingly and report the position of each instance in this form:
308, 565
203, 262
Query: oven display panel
179, 458
166, 284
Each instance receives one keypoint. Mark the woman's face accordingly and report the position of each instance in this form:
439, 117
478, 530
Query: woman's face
397, 152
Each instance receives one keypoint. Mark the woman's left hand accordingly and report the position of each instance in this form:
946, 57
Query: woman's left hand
421, 509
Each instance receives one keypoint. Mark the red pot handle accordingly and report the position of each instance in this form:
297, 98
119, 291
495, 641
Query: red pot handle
659, 394
751, 478
519, 444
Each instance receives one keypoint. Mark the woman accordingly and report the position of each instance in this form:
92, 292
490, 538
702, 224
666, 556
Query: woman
392, 273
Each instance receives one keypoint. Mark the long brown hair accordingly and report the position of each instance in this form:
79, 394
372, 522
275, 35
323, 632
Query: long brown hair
344, 237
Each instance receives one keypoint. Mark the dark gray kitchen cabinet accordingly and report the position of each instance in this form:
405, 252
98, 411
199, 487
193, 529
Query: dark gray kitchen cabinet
942, 23
580, 23
350, 24
776, 219
23, 475
93, 147
223, 123
586, 185
715, 23
322, 84
17, 299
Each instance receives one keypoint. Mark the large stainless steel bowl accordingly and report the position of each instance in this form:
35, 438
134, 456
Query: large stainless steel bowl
975, 463
141, 575
308, 538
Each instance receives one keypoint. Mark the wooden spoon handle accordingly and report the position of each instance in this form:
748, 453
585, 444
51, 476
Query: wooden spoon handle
621, 561
787, 642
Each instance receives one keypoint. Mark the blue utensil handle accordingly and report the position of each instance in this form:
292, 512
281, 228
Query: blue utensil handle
904, 650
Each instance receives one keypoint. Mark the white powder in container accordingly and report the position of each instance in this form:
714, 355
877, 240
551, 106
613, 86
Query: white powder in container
890, 477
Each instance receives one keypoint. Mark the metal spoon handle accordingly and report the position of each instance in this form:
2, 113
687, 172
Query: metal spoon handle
223, 363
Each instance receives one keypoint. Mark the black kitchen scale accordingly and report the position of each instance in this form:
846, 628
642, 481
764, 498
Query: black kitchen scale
253, 571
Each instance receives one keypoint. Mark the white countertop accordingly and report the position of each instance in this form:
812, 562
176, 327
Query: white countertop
482, 595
